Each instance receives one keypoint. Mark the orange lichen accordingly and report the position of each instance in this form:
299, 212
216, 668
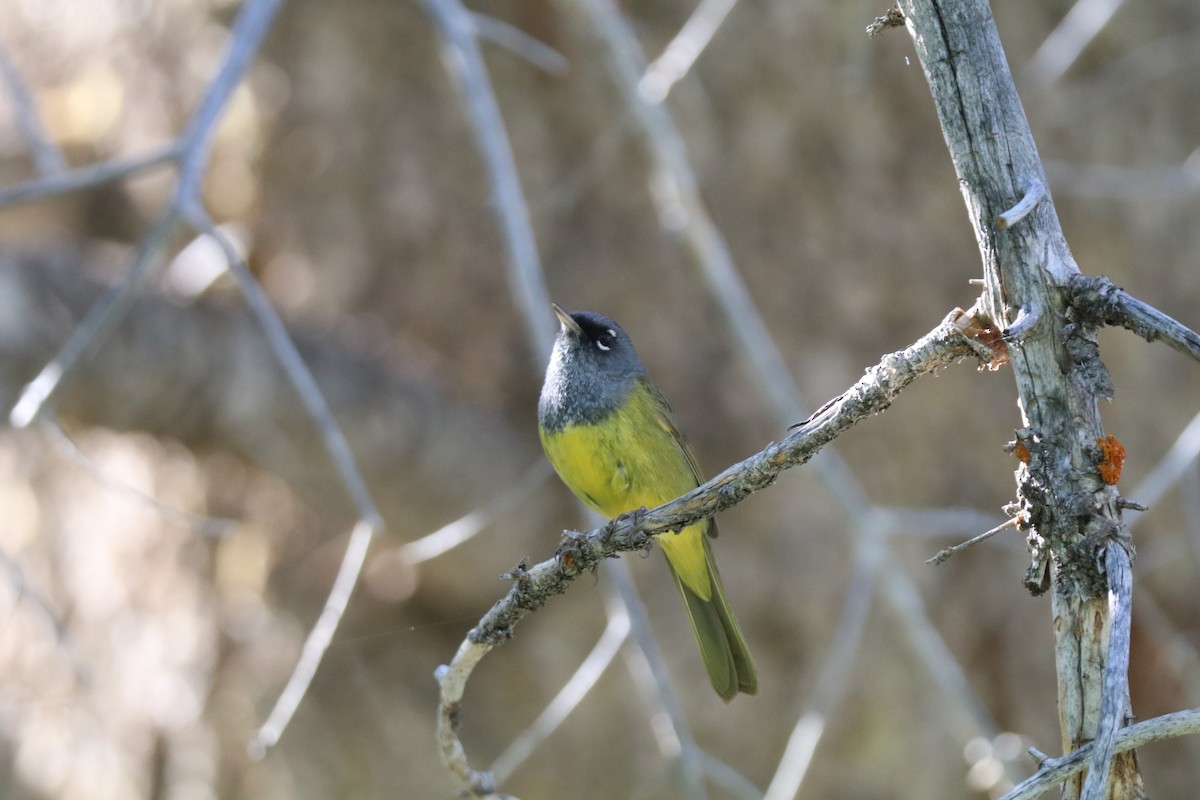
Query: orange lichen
1112, 458
988, 339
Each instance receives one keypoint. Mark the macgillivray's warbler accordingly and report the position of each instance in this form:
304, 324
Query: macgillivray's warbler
614, 441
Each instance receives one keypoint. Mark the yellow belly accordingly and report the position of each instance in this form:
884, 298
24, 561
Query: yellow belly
627, 461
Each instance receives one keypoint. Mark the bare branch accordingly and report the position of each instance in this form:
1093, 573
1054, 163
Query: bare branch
683, 50
370, 520
1071, 509
86, 177
466, 527
581, 553
835, 671
674, 738
203, 524
946, 553
452, 682
1114, 704
461, 53
1053, 771
251, 25
317, 642
572, 693
1097, 301
1064, 44
47, 157
101, 318
518, 42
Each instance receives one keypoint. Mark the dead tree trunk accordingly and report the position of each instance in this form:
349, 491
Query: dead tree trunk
1066, 498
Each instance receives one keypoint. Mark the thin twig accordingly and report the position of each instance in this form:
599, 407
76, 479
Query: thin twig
464, 528
1116, 669
571, 694
1064, 44
836, 670
25, 592
249, 27
370, 520
932, 651
1166, 473
1054, 771
297, 371
1180, 181
203, 524
97, 324
944, 554
518, 42
683, 50
929, 523
674, 738
87, 177
47, 156
317, 642
461, 54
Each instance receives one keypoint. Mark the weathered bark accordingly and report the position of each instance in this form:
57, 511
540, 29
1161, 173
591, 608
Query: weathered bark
1067, 510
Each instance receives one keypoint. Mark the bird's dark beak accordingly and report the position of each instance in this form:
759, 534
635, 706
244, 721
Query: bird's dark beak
565, 322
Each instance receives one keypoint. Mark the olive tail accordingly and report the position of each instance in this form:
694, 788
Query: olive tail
722, 646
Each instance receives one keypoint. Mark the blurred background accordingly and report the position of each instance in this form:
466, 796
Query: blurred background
165, 550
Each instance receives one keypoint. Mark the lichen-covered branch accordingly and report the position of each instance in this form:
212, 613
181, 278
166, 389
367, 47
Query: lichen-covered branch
1067, 504
578, 554
1096, 301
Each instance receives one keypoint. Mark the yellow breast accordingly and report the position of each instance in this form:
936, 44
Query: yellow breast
627, 460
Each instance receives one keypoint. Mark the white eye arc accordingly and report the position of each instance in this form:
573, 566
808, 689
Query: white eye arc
605, 342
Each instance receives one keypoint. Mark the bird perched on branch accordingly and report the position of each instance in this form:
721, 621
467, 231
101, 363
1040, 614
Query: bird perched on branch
614, 441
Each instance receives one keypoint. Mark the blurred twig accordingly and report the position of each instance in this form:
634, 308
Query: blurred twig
464, 528
674, 738
24, 592
834, 675
1132, 184
682, 51
1065, 43
203, 524
249, 27
85, 177
253, 21
572, 693
460, 51
370, 521
47, 157
517, 41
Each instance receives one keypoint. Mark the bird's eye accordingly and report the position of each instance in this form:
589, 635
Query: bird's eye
606, 340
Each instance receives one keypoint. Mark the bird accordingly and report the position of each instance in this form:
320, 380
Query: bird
614, 440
